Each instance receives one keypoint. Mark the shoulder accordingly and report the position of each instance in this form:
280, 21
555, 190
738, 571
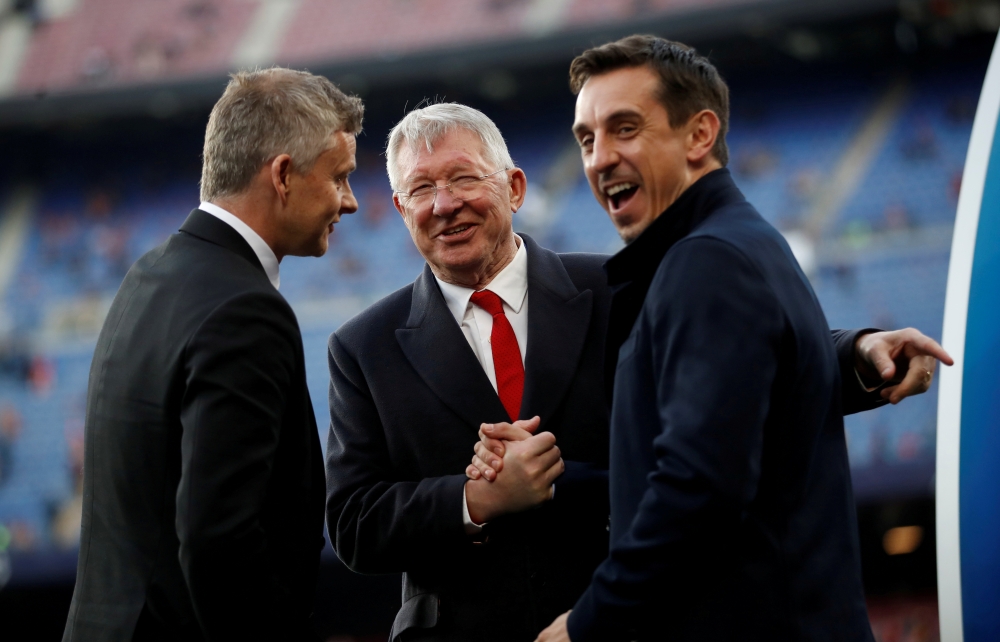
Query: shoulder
702, 268
585, 270
378, 321
745, 230
584, 265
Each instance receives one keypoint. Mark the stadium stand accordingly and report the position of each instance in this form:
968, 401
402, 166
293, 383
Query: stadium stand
119, 42
87, 231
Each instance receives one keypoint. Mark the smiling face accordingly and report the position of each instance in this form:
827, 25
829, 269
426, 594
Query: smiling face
317, 199
466, 242
636, 163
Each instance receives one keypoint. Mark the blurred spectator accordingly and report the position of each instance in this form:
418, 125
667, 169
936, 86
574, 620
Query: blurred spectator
375, 208
10, 431
100, 203
904, 619
845, 274
955, 185
756, 162
97, 65
15, 359
42, 376
896, 217
909, 446
148, 56
803, 184
67, 521
350, 265
23, 536
858, 233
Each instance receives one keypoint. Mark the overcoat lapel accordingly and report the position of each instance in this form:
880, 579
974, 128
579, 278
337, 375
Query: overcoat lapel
558, 320
436, 348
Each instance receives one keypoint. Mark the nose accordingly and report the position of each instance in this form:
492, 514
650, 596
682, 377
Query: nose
348, 203
445, 204
604, 156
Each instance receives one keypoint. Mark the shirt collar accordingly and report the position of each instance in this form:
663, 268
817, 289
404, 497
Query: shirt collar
510, 284
641, 258
263, 251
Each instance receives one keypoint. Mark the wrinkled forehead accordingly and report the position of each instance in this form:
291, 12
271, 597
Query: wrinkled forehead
452, 150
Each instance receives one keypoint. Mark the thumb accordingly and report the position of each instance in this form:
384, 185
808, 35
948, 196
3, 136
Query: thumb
881, 360
529, 425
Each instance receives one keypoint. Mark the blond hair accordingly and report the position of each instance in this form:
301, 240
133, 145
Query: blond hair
267, 112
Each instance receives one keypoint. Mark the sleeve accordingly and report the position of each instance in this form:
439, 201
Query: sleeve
239, 367
715, 327
581, 483
379, 523
854, 396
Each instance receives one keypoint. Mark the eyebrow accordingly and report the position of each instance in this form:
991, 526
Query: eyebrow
621, 114
459, 167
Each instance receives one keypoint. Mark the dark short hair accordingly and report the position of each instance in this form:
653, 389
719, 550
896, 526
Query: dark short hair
689, 83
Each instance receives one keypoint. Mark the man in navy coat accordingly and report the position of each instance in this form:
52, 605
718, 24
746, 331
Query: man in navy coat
732, 515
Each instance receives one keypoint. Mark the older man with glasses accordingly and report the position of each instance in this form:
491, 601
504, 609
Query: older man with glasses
497, 555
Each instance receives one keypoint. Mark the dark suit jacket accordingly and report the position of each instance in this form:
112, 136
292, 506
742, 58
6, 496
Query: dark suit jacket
732, 511
407, 396
203, 474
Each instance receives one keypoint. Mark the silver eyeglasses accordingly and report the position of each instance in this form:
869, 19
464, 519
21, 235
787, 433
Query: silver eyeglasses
462, 188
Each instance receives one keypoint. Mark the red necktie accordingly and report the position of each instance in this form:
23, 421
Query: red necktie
506, 354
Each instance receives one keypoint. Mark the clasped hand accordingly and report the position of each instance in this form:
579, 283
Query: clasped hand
529, 464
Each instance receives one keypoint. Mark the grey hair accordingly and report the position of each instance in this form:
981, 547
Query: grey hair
267, 112
429, 124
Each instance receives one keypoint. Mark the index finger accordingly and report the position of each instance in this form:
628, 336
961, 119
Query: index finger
540, 443
503, 431
926, 346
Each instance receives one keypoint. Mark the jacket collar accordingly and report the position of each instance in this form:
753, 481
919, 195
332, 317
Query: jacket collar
642, 257
210, 228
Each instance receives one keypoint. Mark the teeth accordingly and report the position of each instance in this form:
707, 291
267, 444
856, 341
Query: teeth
620, 187
457, 230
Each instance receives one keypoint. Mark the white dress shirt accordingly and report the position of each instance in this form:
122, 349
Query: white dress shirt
263, 251
511, 285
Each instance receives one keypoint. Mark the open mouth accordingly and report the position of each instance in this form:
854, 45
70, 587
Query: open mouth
621, 194
455, 231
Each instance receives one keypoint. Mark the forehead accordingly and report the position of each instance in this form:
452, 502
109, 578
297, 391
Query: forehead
459, 148
632, 89
341, 150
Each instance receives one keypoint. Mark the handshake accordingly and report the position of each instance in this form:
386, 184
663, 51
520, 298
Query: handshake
513, 469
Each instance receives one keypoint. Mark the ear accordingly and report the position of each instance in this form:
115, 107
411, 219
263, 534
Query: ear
281, 170
703, 129
518, 188
398, 205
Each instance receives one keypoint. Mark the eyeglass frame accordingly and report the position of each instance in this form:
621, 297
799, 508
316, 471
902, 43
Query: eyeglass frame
435, 188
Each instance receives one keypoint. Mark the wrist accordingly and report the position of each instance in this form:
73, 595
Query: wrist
479, 502
867, 373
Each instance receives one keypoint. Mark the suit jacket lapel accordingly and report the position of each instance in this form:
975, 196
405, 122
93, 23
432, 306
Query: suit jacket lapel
436, 348
558, 320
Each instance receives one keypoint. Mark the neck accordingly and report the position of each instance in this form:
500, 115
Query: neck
247, 208
481, 277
